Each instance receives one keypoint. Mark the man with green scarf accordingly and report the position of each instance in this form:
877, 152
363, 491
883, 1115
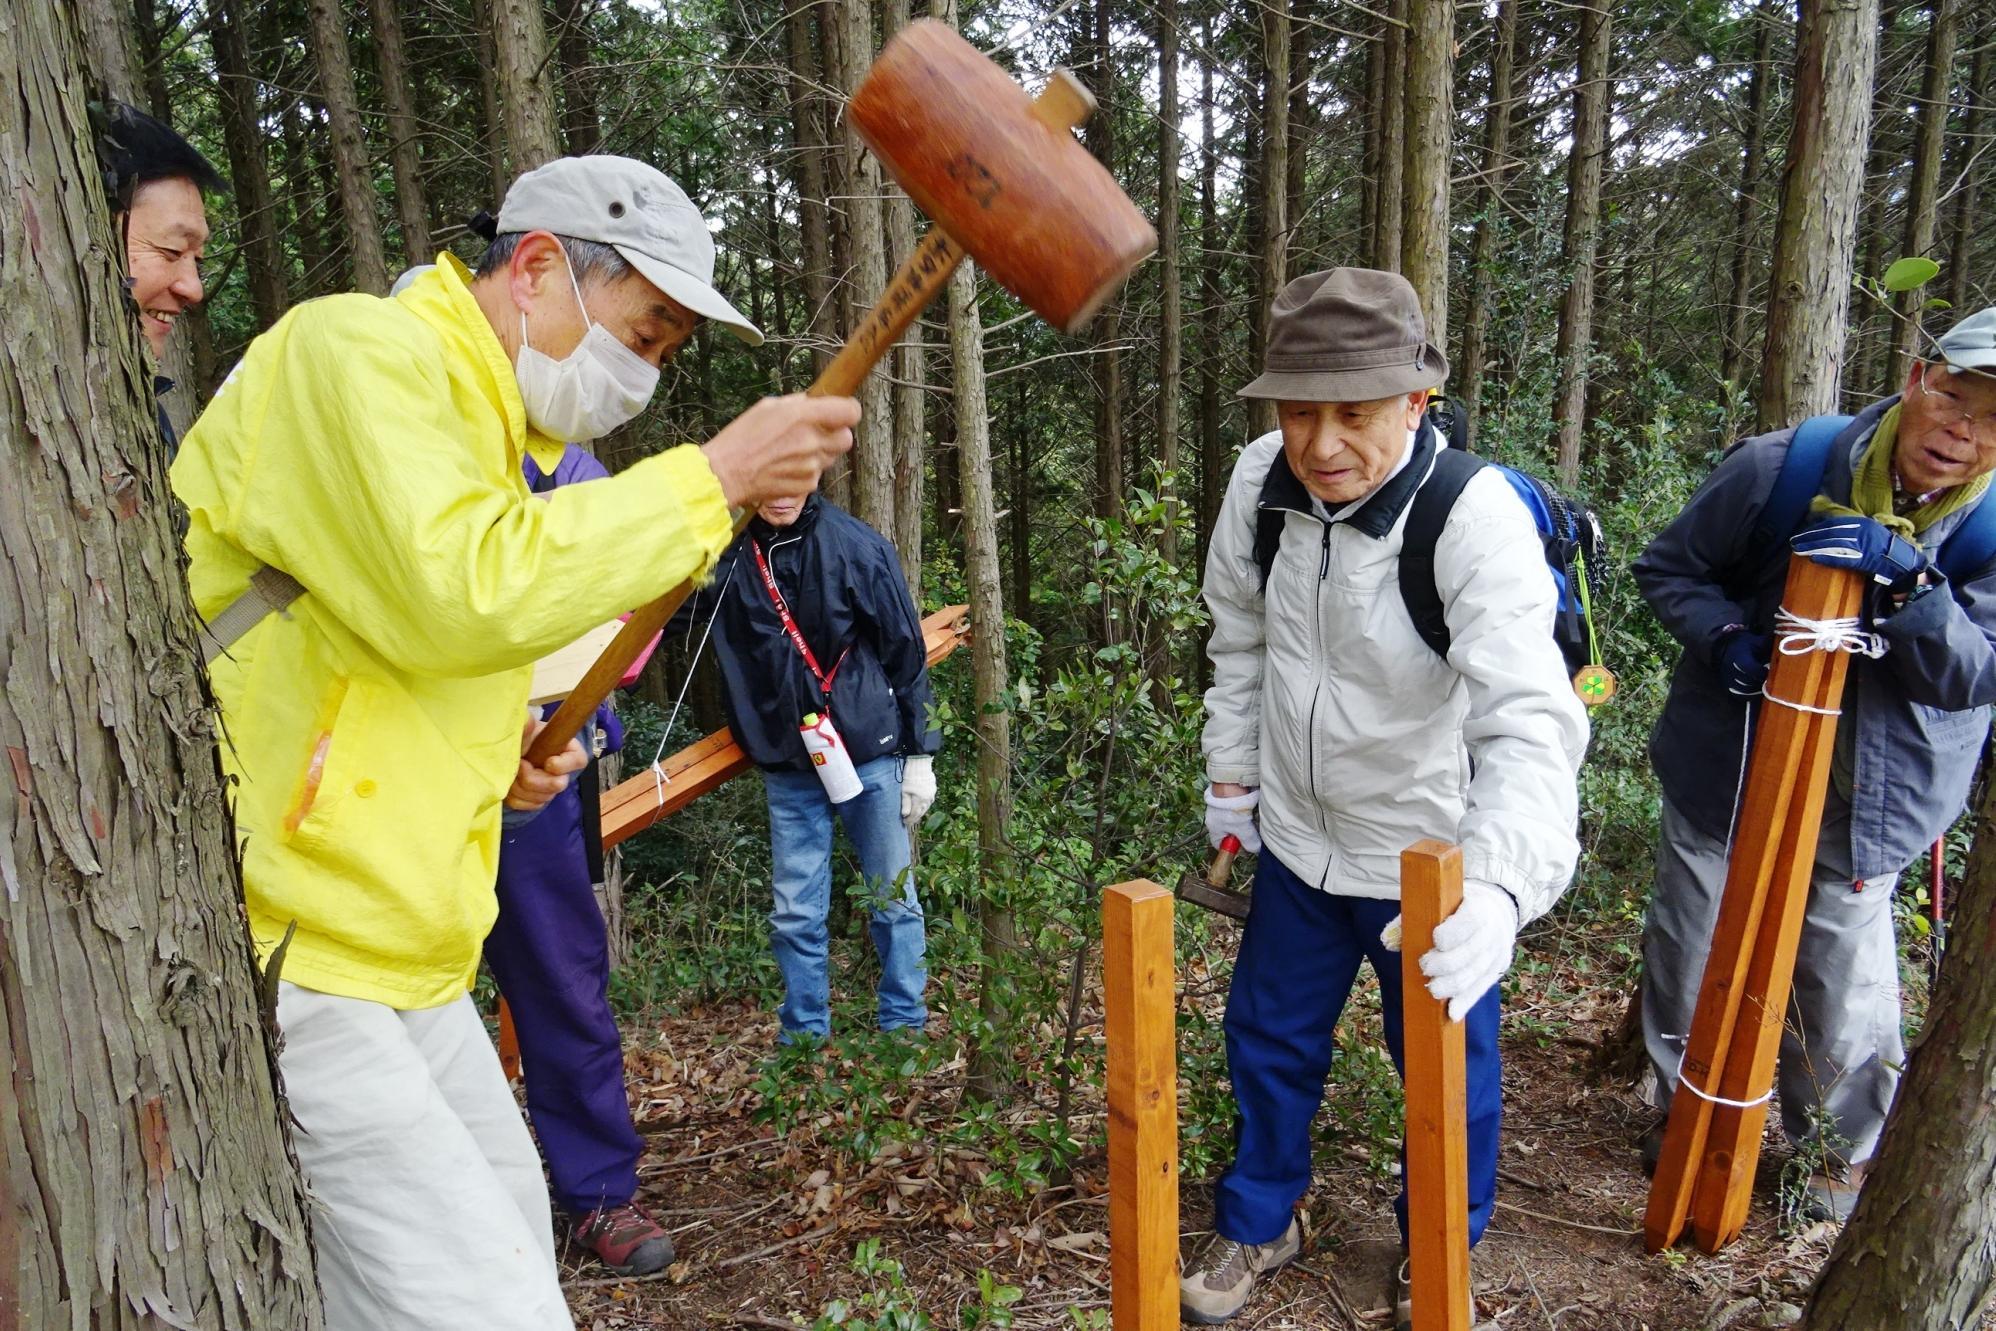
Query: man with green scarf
1900, 479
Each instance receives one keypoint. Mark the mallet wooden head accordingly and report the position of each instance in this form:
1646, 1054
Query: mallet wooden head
1000, 173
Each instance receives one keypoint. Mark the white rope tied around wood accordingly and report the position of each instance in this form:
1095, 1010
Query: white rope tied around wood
1685, 1083
1797, 636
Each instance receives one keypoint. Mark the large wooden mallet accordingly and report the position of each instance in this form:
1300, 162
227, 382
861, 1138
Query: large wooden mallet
1005, 182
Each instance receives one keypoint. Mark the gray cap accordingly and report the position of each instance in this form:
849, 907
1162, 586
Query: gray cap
1971, 343
638, 211
1347, 335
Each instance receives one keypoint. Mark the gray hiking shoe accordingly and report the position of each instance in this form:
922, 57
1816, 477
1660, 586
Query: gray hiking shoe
1218, 1287
1832, 1198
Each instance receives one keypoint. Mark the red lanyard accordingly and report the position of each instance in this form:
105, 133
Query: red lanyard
790, 625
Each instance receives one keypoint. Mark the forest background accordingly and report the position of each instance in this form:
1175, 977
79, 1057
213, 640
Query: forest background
1639, 235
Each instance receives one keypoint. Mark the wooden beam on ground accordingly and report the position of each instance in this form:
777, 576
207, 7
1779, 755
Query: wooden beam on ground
1724, 1188
653, 794
1437, 1099
1140, 1024
1770, 800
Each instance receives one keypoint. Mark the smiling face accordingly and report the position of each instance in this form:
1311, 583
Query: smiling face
1947, 428
165, 232
1343, 451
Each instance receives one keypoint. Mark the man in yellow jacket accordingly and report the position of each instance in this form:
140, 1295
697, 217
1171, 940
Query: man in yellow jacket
373, 687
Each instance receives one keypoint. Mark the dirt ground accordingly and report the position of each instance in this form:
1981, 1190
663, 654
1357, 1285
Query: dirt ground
767, 1226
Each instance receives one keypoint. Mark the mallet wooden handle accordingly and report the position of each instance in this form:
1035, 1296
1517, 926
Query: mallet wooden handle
1062, 105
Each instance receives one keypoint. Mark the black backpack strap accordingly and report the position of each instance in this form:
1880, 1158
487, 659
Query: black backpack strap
1426, 517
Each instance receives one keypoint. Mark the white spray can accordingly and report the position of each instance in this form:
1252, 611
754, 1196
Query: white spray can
830, 758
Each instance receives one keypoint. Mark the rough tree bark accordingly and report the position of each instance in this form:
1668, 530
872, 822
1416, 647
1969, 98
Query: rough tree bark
1960, 261
1583, 233
1816, 234
1305, 126
111, 48
1489, 206
1924, 199
151, 36
873, 442
808, 176
581, 127
399, 95
147, 1178
911, 361
1917, 1254
1430, 119
1171, 319
484, 17
1733, 356
241, 98
1389, 108
526, 101
327, 30
1273, 177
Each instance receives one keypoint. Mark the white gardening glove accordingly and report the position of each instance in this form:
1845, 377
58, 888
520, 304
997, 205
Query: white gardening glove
1232, 814
918, 788
1472, 948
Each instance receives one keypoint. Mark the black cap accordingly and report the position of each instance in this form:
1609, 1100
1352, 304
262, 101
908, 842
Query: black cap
134, 148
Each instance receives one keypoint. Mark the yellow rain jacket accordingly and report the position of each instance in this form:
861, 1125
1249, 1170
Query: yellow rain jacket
371, 449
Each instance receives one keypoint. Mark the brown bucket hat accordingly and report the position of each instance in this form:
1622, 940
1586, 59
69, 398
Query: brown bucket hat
1347, 335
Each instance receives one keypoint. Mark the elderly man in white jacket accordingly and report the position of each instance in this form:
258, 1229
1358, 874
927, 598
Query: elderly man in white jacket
1336, 737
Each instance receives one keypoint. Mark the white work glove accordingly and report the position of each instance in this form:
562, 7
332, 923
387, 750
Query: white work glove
1473, 947
918, 788
1235, 814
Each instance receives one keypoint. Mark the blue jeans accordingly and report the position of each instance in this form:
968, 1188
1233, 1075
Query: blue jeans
800, 843
1298, 958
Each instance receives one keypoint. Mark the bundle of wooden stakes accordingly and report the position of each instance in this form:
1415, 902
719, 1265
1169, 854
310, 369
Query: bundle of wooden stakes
1712, 1143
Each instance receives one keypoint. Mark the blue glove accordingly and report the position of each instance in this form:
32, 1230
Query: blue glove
1742, 658
1864, 545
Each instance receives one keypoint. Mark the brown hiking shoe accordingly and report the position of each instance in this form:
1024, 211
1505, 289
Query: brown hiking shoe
625, 1239
1218, 1287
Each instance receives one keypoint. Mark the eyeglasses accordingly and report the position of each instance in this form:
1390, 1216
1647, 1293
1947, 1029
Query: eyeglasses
1949, 407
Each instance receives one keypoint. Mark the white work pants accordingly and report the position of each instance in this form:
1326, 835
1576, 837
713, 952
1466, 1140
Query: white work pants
429, 1211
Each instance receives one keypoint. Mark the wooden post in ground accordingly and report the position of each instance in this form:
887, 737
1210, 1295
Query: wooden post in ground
1774, 798
1139, 1021
1437, 1100
1724, 1187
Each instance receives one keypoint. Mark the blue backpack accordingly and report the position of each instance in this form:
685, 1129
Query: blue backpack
1966, 551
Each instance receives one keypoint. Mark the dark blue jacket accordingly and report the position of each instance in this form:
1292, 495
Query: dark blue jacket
843, 584
1914, 720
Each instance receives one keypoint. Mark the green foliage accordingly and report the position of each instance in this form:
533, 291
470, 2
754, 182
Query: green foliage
887, 1304
1909, 273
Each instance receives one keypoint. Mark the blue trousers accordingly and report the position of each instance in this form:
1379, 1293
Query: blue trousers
800, 845
1298, 958
551, 956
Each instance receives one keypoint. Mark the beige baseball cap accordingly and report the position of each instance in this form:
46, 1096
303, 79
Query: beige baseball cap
639, 212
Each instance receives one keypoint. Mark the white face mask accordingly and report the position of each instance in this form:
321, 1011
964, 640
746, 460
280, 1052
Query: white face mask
587, 393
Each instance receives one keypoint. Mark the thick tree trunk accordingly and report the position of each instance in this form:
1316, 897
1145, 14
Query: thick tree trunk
111, 48
1917, 1254
999, 939
147, 1177
581, 124
484, 15
1816, 236
873, 442
328, 34
520, 48
1171, 320
1961, 247
1389, 196
911, 397
808, 175
1489, 208
1746, 209
398, 93
1583, 233
151, 36
1923, 200
241, 98
1273, 179
1430, 119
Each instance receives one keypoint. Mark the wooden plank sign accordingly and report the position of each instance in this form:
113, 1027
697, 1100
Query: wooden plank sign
639, 801
1140, 1023
1437, 1099
1777, 794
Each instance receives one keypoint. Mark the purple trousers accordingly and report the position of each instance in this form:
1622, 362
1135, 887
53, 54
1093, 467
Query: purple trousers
551, 957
